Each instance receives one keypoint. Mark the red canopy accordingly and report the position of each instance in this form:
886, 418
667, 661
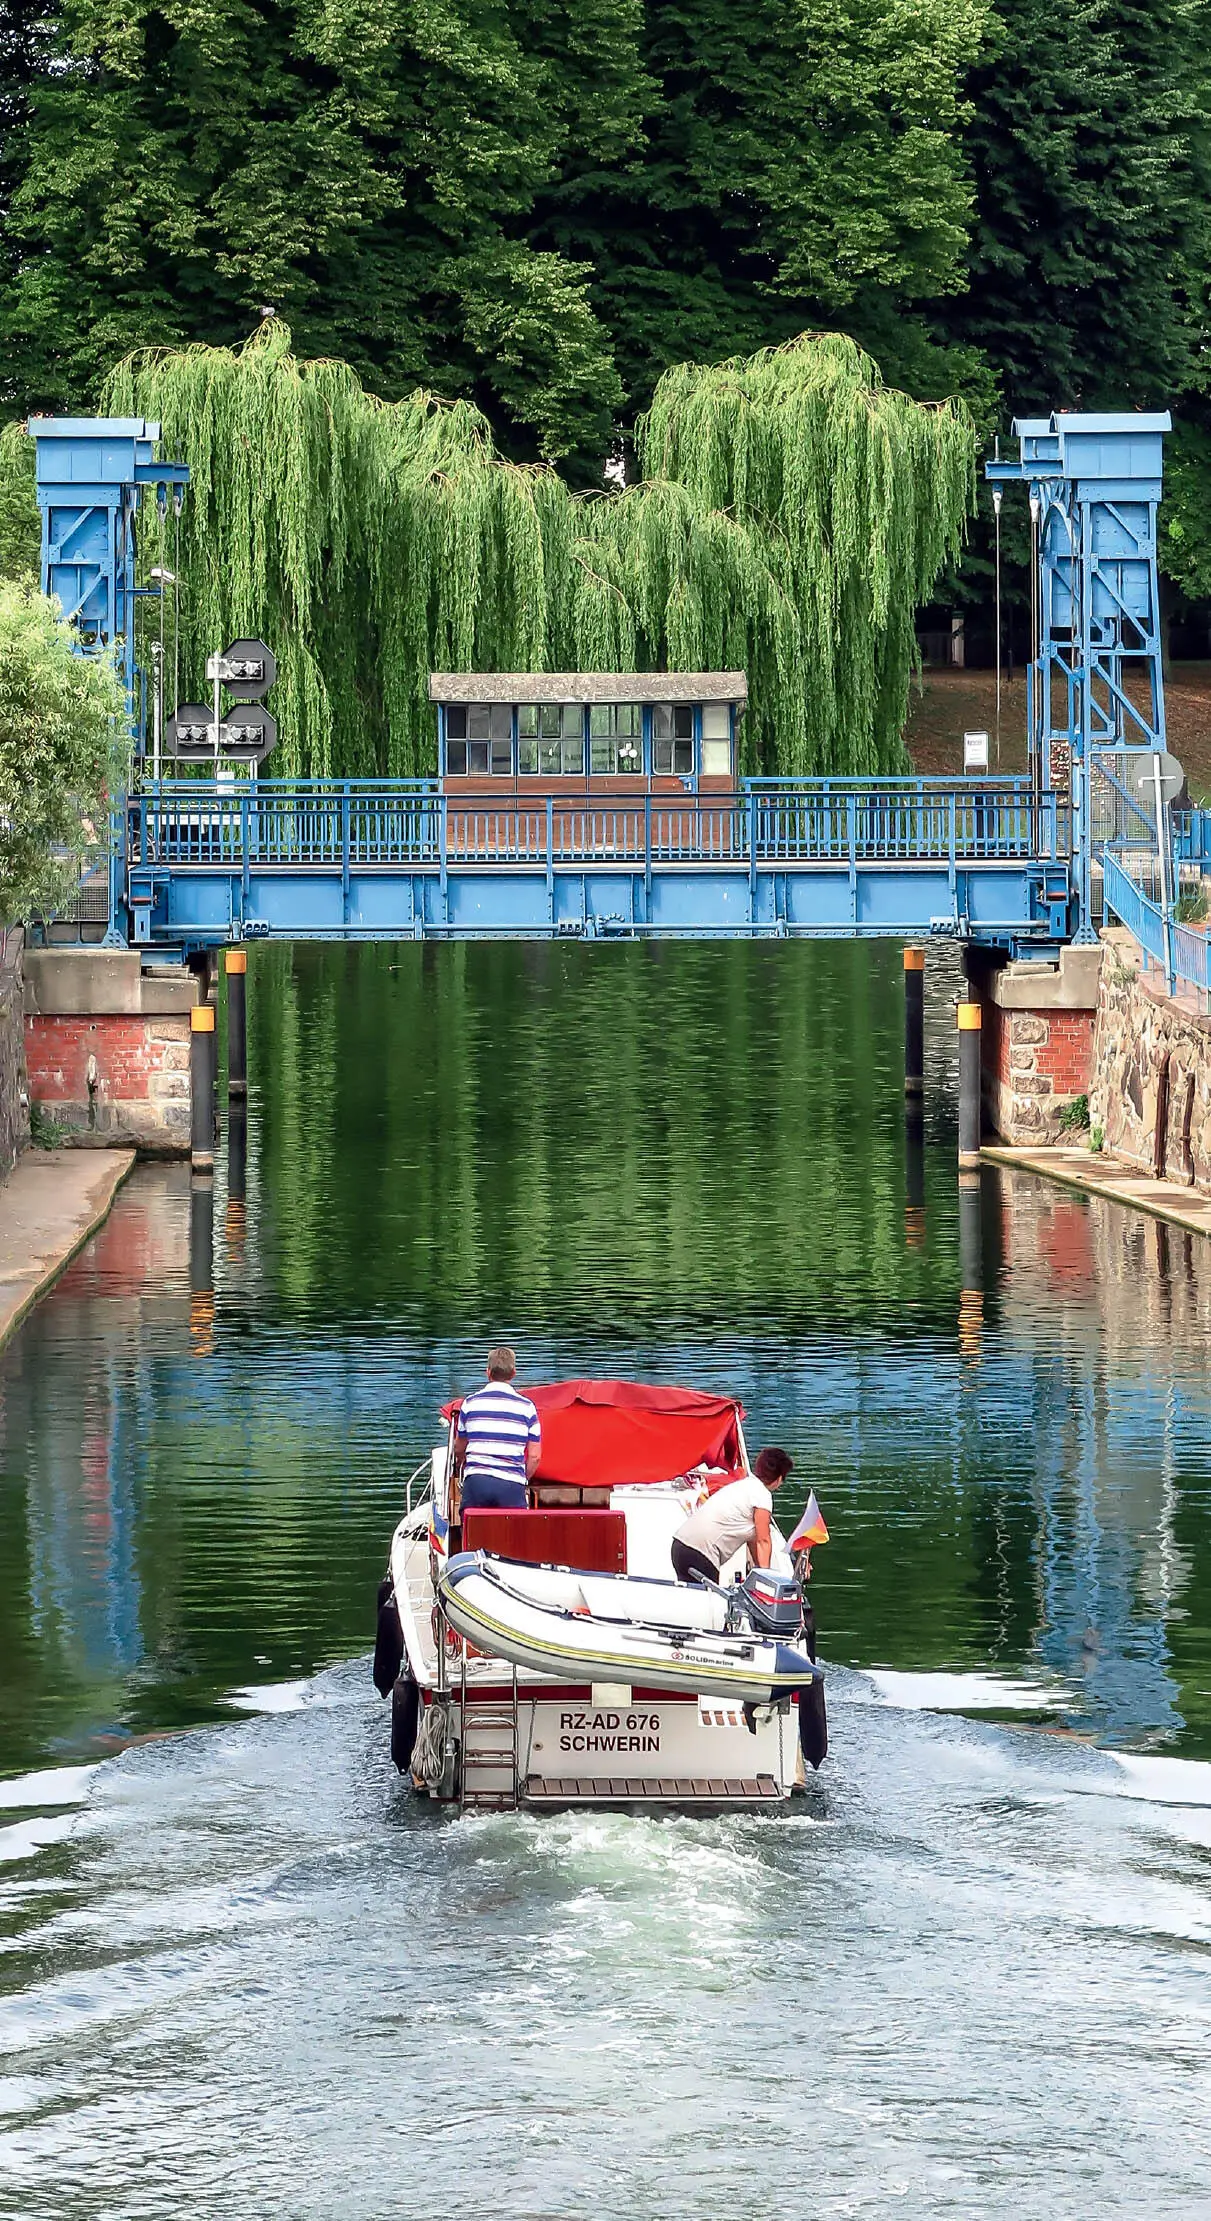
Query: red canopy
604, 1433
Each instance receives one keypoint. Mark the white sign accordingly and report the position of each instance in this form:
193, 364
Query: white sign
975, 751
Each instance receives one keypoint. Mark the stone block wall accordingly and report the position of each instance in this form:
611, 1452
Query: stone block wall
14, 1089
1151, 1089
107, 1048
1037, 1042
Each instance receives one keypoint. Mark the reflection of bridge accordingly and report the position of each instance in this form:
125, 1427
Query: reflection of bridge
365, 861
1006, 863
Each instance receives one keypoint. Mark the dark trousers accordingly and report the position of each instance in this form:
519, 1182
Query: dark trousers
486, 1492
687, 1561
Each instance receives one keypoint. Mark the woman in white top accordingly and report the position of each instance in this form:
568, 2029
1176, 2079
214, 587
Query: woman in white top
735, 1517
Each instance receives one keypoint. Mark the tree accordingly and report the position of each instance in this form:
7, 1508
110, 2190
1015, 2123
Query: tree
536, 208
1089, 253
793, 513
63, 748
20, 526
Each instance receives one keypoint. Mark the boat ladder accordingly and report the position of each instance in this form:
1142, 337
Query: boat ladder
488, 1775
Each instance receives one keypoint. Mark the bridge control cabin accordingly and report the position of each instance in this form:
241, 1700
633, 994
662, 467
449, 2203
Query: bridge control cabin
603, 734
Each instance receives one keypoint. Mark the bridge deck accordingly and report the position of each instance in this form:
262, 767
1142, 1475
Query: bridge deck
361, 860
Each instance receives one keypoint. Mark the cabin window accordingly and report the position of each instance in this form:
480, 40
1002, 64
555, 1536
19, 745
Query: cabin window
616, 737
550, 738
716, 740
673, 739
479, 739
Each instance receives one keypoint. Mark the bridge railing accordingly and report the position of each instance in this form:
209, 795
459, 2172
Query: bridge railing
1180, 952
359, 825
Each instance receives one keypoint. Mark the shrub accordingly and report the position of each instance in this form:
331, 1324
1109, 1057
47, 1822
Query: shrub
64, 747
1074, 1117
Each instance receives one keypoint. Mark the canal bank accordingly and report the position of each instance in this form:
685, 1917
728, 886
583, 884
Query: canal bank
50, 1204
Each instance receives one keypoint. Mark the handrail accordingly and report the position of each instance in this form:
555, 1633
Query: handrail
352, 825
1180, 951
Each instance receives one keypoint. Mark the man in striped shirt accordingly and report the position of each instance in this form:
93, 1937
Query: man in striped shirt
498, 1439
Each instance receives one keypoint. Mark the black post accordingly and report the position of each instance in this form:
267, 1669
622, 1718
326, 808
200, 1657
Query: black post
914, 1021
236, 961
969, 1017
201, 1086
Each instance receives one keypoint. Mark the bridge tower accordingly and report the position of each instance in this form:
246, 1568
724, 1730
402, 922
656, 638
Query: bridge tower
1095, 486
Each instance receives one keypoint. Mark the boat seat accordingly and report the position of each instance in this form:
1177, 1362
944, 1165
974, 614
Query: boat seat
561, 1495
591, 1541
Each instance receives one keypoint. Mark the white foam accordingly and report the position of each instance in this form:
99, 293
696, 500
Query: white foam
1165, 1781
965, 1692
273, 1696
28, 1836
56, 1785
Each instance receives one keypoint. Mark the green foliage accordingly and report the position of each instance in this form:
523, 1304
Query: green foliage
1093, 199
1191, 908
20, 530
860, 496
1074, 1116
45, 1131
794, 513
61, 718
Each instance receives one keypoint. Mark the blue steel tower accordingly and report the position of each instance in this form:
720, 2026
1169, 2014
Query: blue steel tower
1095, 486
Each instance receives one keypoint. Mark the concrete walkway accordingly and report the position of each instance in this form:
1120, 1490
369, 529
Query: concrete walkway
52, 1200
1118, 1183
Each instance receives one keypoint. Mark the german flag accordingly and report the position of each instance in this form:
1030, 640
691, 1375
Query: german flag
811, 1528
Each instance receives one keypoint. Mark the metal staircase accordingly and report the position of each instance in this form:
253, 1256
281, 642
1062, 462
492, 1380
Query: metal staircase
489, 1770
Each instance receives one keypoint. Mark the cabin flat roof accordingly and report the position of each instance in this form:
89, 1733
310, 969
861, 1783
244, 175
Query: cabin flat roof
588, 686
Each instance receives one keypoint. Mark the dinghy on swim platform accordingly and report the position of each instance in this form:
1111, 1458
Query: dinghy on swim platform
622, 1628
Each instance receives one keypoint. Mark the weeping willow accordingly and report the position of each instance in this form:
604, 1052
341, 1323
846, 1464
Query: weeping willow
793, 514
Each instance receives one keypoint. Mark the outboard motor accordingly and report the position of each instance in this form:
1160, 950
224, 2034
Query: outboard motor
768, 1603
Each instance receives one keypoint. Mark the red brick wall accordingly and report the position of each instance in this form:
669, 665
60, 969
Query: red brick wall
1034, 1061
142, 1073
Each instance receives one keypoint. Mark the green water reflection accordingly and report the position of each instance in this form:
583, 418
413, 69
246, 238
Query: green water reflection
684, 1162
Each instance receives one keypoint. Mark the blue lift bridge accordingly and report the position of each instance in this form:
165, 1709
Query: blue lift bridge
199, 861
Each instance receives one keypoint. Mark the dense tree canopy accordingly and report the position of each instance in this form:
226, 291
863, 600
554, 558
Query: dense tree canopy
785, 495
537, 210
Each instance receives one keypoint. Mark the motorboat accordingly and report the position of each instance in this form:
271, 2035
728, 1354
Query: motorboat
548, 1657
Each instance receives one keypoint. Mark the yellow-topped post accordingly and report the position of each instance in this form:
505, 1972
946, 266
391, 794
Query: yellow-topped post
970, 1018
914, 1021
201, 1086
236, 966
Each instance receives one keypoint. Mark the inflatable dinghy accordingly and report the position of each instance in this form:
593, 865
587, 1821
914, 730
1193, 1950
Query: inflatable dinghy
621, 1627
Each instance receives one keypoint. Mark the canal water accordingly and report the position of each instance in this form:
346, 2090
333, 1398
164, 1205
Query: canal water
244, 1973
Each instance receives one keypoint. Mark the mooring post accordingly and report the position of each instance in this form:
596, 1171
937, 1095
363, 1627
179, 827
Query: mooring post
914, 1021
236, 961
201, 1086
969, 1016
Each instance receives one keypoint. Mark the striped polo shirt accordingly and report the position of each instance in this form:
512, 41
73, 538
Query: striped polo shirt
496, 1423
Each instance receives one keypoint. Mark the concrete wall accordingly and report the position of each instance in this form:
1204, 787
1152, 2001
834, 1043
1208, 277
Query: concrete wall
1037, 1042
14, 1089
1151, 1089
107, 1046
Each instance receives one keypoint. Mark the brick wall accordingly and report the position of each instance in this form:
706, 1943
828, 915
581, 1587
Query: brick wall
1037, 1042
119, 1077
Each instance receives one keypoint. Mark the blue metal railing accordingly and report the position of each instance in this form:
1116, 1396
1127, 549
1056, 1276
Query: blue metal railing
1180, 951
360, 825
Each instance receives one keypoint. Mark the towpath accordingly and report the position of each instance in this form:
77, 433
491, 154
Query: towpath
1105, 1176
50, 1203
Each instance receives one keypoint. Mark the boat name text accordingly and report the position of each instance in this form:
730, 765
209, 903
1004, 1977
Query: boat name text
609, 1731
